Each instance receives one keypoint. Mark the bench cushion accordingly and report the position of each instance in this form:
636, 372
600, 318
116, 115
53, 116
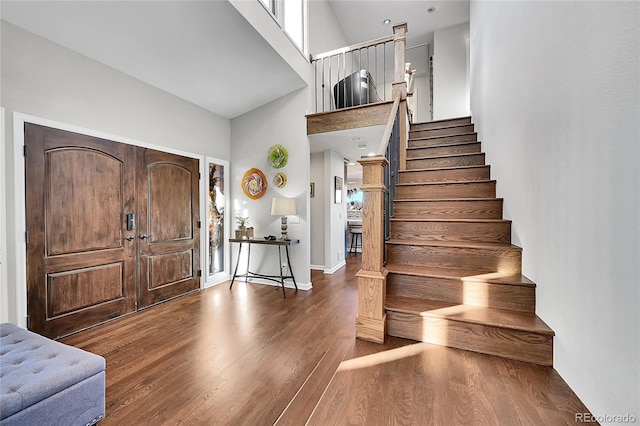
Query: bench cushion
33, 368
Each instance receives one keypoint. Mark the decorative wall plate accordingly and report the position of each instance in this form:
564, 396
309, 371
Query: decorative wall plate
280, 180
254, 183
278, 156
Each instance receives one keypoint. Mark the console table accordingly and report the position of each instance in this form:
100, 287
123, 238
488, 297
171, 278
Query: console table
273, 243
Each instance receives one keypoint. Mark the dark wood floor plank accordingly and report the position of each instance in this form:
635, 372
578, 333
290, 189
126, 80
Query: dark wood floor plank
248, 356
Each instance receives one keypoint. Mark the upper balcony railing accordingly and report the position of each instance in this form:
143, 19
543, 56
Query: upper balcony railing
354, 75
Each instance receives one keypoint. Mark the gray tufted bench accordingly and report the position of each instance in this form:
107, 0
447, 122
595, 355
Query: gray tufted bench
43, 382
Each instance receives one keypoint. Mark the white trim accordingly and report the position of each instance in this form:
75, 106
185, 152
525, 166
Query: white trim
335, 268
4, 289
317, 267
19, 119
224, 275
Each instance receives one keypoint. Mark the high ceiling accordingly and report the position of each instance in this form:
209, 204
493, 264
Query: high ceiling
201, 51
207, 53
361, 20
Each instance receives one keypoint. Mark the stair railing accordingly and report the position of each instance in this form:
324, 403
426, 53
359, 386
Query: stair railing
378, 186
339, 74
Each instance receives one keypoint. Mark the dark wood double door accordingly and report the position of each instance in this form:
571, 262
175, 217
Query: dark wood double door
112, 228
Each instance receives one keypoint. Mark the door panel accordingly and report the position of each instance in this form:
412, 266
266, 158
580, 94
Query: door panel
80, 268
168, 213
77, 226
83, 266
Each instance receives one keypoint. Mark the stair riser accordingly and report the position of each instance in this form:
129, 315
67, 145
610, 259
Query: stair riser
451, 175
495, 232
444, 123
441, 140
439, 162
467, 148
503, 342
446, 131
454, 290
447, 190
482, 259
463, 209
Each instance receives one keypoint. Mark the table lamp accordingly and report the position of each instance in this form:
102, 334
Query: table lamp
283, 207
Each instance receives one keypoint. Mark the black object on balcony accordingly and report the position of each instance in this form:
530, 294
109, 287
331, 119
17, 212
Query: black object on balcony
355, 89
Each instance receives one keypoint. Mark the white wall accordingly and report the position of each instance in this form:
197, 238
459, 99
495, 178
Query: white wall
324, 32
4, 291
324, 35
279, 122
556, 103
335, 214
451, 72
327, 230
45, 80
317, 211
270, 30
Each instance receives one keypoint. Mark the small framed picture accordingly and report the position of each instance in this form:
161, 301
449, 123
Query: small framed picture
312, 189
338, 193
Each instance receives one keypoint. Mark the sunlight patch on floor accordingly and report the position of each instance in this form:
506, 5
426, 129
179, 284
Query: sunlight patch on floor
382, 357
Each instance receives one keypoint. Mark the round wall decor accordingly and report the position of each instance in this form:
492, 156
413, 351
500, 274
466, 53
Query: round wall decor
254, 183
278, 156
280, 180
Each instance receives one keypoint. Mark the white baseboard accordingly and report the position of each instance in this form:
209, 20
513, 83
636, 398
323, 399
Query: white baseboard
335, 268
317, 267
217, 279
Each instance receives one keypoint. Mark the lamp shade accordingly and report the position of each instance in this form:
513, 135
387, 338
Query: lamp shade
283, 206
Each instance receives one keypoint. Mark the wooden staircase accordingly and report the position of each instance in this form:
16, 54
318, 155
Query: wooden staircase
454, 276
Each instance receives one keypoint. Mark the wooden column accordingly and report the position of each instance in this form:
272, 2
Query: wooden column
372, 278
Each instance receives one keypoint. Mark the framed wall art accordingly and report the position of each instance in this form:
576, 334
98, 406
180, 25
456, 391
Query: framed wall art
338, 190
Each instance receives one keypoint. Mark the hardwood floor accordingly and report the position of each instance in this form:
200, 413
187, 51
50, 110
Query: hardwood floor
251, 357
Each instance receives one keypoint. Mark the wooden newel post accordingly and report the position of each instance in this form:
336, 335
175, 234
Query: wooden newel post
400, 85
372, 278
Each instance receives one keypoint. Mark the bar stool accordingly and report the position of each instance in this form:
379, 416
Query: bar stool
356, 234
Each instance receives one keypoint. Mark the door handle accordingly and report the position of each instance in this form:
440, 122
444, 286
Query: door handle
129, 238
144, 237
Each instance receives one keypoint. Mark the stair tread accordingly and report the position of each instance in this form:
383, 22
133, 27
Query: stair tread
431, 157
444, 145
430, 138
461, 244
447, 182
443, 120
503, 318
450, 220
443, 168
402, 200
466, 274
